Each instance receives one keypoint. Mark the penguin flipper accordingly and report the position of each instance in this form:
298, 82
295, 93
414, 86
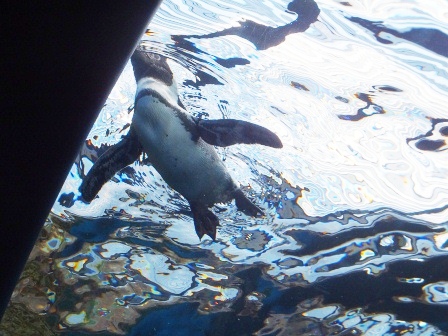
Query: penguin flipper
205, 221
227, 132
245, 205
114, 159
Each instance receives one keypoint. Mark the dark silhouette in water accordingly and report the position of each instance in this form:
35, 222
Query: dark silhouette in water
429, 38
425, 143
367, 98
264, 37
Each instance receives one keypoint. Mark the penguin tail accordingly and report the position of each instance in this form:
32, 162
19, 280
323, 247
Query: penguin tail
245, 205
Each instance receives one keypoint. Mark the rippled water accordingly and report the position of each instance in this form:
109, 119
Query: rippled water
355, 238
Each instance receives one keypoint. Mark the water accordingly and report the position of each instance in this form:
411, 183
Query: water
355, 236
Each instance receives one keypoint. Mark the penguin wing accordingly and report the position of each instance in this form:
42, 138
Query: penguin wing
227, 132
114, 159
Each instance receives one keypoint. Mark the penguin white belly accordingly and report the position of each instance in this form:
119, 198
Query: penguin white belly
190, 167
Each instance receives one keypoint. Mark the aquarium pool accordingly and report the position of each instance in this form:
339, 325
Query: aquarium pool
355, 234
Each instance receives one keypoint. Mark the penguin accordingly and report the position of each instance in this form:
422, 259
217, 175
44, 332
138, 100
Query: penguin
179, 146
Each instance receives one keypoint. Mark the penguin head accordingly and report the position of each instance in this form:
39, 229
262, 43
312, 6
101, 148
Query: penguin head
148, 64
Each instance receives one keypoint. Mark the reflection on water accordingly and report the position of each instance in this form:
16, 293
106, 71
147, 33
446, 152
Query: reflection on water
355, 236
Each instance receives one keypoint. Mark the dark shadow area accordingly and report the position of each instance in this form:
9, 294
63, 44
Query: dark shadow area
374, 293
423, 141
60, 60
265, 37
429, 38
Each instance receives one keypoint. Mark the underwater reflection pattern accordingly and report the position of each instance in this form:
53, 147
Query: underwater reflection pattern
355, 238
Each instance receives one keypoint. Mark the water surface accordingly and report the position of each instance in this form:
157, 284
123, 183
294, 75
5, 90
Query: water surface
355, 238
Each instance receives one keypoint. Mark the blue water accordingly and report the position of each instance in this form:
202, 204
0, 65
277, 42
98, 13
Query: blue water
355, 238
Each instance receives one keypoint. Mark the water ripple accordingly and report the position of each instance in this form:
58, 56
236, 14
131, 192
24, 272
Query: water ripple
357, 195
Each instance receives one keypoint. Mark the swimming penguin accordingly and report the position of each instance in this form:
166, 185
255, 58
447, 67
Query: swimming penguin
179, 146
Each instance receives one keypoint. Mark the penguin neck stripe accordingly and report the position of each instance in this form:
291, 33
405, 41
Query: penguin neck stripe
186, 120
155, 94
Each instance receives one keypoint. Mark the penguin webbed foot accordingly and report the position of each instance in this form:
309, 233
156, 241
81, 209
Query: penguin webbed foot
246, 206
227, 132
205, 221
